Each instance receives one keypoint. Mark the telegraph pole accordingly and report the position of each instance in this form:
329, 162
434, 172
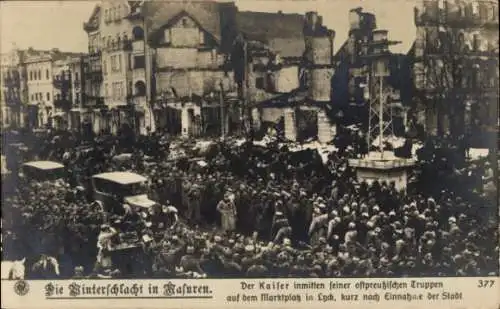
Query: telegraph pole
222, 116
381, 118
244, 107
148, 74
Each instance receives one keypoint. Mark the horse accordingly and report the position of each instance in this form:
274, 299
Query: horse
13, 270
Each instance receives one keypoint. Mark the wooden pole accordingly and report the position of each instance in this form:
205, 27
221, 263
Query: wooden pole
222, 116
381, 120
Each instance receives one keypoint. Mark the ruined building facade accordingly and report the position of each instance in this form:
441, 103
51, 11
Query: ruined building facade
456, 66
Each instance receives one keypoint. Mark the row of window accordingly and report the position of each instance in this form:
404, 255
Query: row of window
39, 96
14, 94
37, 75
115, 41
475, 8
118, 90
116, 65
114, 13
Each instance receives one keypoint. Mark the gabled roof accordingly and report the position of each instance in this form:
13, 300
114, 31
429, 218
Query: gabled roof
179, 16
283, 33
134, 5
207, 14
94, 20
260, 26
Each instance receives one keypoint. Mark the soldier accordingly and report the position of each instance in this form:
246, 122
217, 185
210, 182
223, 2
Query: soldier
190, 263
227, 209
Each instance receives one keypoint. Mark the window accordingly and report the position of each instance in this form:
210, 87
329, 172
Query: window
31, 75
39, 75
119, 68
106, 15
104, 68
202, 37
47, 74
475, 8
32, 98
129, 58
138, 33
259, 82
119, 12
40, 96
167, 36
476, 43
48, 96
106, 92
139, 62
113, 63
76, 75
129, 88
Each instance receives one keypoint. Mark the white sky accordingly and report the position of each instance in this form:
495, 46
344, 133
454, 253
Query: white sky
59, 24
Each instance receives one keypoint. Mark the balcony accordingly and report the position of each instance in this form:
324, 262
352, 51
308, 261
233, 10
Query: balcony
433, 16
12, 82
77, 84
93, 101
125, 45
63, 103
94, 53
62, 83
12, 100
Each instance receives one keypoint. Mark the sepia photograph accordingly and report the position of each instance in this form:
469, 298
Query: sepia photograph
292, 146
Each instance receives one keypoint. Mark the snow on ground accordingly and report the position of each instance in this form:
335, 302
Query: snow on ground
392, 140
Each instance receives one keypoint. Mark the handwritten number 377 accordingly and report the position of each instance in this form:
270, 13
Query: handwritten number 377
485, 283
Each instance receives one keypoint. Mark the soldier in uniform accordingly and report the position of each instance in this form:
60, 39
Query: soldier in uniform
190, 263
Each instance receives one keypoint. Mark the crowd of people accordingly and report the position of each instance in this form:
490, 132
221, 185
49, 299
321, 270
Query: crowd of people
253, 211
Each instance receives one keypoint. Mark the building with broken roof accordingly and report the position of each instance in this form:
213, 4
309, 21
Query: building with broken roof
456, 68
353, 64
290, 76
199, 80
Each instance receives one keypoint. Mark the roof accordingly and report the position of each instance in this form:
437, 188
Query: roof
123, 178
134, 5
207, 14
283, 33
44, 165
93, 22
262, 26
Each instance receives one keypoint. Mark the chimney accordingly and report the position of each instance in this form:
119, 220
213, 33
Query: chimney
310, 23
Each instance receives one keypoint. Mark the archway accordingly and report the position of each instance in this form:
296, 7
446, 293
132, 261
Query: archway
137, 33
140, 88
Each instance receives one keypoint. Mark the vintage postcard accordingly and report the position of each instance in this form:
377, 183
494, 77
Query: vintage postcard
246, 153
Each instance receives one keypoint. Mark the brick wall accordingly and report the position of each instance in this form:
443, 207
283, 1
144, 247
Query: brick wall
191, 82
320, 86
176, 57
272, 114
